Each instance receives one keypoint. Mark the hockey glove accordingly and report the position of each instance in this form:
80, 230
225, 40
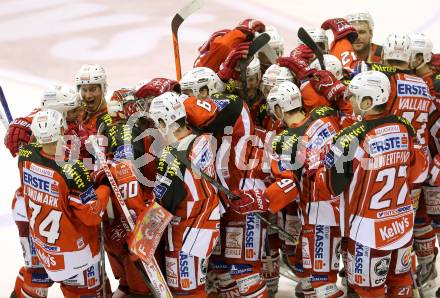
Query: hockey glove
19, 132
297, 66
250, 26
341, 28
325, 83
303, 52
156, 87
228, 67
249, 201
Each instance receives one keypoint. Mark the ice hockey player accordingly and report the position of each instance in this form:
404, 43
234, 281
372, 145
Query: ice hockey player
309, 131
272, 77
194, 231
410, 98
91, 82
373, 163
344, 35
227, 116
63, 208
122, 153
67, 102
421, 53
363, 46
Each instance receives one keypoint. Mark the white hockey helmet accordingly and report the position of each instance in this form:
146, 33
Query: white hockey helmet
254, 68
60, 98
46, 126
318, 35
276, 41
92, 74
361, 16
331, 63
286, 95
199, 77
421, 44
397, 46
273, 76
168, 108
374, 84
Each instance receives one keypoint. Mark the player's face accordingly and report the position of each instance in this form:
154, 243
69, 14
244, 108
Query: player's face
92, 96
203, 93
364, 36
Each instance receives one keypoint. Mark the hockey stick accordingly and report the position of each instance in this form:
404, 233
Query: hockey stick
177, 21
259, 42
308, 41
5, 113
159, 287
188, 164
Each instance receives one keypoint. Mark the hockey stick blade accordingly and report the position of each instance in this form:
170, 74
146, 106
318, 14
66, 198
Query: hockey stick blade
176, 22
304, 36
257, 44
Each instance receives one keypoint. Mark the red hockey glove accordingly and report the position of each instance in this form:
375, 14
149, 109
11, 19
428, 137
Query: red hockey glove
435, 61
325, 83
303, 52
341, 28
156, 87
19, 132
227, 68
249, 201
297, 66
250, 26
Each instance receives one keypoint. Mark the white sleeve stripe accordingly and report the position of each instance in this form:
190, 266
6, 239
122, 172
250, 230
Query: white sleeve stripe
75, 200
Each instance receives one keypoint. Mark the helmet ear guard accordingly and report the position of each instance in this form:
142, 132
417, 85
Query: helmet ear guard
373, 84
286, 95
421, 44
199, 77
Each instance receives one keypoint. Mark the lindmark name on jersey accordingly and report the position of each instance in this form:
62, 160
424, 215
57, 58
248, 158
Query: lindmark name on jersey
41, 189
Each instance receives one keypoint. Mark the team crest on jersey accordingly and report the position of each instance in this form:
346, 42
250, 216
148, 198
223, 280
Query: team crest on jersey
124, 152
159, 191
221, 103
88, 195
